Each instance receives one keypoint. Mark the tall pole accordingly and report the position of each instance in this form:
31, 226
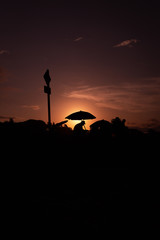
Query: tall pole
49, 110
47, 90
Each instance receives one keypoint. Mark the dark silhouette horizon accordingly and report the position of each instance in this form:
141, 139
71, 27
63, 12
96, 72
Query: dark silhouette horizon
52, 179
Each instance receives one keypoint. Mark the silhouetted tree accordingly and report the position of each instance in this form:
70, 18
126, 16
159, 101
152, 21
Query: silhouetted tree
118, 126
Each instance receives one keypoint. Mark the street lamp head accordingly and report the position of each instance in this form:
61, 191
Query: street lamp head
47, 78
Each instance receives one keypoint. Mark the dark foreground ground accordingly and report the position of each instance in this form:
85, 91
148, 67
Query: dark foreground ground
56, 184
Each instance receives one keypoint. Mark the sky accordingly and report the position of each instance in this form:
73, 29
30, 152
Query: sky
103, 57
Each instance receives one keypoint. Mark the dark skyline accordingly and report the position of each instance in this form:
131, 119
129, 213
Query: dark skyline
103, 57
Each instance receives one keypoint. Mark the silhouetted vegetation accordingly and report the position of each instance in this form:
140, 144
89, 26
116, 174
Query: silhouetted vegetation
52, 175
103, 138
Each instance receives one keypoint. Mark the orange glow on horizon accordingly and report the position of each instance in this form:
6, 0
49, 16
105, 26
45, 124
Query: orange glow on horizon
72, 123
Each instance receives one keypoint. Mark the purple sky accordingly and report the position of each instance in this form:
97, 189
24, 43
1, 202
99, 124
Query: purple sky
103, 57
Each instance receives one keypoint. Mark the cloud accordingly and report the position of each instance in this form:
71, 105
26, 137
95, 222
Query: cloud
6, 117
85, 92
78, 39
33, 107
153, 124
4, 52
127, 43
131, 97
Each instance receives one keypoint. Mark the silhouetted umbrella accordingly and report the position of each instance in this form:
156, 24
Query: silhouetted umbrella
61, 123
81, 115
100, 123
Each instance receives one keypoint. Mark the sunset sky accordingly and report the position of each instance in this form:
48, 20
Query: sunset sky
103, 57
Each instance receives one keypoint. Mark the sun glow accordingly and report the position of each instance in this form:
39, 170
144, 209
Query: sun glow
72, 123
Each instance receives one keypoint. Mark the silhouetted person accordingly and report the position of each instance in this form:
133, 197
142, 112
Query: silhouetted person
78, 128
118, 127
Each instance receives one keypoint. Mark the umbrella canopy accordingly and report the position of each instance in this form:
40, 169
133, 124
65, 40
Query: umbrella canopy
100, 123
61, 123
81, 115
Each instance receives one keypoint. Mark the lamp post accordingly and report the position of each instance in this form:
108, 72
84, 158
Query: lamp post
47, 90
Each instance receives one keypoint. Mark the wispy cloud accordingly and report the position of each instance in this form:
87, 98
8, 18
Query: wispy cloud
4, 52
5, 117
152, 123
33, 107
86, 92
130, 97
127, 43
78, 39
